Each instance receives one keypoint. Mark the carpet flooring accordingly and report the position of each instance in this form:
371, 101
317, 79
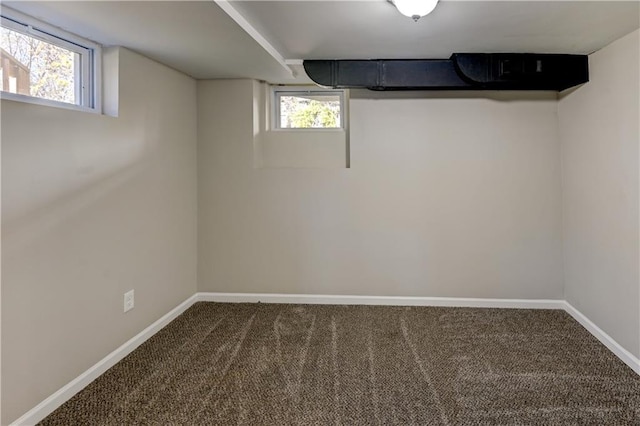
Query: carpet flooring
259, 364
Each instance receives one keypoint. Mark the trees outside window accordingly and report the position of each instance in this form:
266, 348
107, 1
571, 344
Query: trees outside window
313, 111
51, 68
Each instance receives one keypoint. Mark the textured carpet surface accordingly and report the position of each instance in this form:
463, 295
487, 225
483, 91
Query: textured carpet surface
257, 364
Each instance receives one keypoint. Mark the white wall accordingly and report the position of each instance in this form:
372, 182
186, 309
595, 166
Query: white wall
446, 196
600, 137
308, 148
93, 206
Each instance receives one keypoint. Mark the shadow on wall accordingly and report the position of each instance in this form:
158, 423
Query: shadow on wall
25, 230
66, 173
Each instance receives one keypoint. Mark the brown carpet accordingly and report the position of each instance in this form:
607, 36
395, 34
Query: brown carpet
257, 364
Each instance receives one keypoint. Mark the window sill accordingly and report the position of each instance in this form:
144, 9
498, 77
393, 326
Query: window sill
309, 130
46, 102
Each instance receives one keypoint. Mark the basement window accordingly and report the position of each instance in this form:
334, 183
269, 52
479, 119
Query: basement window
44, 65
309, 107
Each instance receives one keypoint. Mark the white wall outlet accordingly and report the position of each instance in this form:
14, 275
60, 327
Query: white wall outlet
128, 301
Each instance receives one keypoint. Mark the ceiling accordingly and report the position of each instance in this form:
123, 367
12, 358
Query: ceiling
195, 37
252, 39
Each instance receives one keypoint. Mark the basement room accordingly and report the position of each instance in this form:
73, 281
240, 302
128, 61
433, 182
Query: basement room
336, 212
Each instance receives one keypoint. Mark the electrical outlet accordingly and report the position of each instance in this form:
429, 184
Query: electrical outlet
128, 301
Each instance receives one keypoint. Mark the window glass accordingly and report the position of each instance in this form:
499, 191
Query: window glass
34, 67
309, 110
45, 65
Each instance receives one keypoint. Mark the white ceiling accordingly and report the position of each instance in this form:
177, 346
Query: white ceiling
202, 40
195, 37
375, 29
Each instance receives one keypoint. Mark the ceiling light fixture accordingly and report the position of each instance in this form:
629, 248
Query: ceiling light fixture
415, 9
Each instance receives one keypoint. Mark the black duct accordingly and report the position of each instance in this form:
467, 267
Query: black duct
463, 71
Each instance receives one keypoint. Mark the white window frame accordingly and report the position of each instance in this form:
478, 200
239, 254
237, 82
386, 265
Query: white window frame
88, 71
277, 91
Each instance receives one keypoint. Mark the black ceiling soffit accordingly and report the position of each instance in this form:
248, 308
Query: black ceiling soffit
463, 71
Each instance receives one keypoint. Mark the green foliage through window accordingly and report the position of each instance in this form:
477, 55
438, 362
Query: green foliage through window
309, 111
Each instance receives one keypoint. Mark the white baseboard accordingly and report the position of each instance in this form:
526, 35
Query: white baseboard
47, 406
321, 299
624, 355
65, 393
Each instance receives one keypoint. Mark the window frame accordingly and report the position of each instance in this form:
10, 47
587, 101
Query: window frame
87, 73
278, 91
